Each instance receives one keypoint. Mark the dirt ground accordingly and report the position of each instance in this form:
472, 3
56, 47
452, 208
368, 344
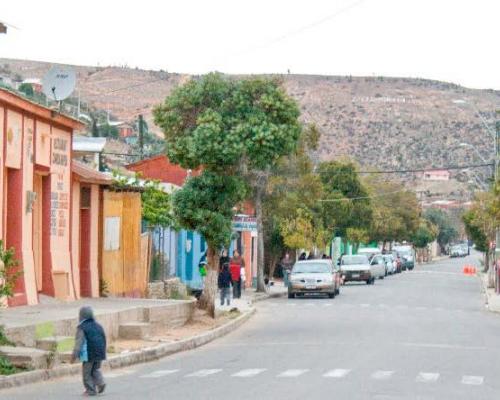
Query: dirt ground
200, 323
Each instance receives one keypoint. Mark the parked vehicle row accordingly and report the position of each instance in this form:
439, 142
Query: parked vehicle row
459, 250
323, 277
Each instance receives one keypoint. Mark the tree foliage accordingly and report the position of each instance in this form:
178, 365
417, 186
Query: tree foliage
205, 204
345, 198
447, 231
425, 234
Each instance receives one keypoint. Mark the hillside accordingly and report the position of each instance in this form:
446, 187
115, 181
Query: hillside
383, 123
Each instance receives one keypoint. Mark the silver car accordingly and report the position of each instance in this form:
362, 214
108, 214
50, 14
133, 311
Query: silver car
314, 277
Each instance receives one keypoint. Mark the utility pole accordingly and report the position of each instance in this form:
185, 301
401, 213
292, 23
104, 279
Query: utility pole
141, 137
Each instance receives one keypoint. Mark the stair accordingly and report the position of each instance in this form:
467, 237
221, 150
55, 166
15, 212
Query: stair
27, 357
59, 344
134, 330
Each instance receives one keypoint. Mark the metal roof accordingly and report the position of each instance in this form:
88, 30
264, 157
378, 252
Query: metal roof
87, 144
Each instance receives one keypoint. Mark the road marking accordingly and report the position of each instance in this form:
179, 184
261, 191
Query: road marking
160, 373
203, 372
246, 373
337, 373
380, 375
472, 380
291, 304
327, 304
117, 374
443, 346
292, 373
427, 377
365, 305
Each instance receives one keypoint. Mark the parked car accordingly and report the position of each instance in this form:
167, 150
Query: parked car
407, 255
458, 251
390, 262
314, 277
378, 266
356, 269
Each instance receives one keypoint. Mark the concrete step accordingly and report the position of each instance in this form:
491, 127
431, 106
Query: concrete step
27, 357
64, 357
134, 330
57, 344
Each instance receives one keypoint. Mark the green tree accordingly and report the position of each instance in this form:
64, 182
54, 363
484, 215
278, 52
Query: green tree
205, 204
231, 127
27, 89
395, 211
357, 236
346, 202
447, 231
425, 234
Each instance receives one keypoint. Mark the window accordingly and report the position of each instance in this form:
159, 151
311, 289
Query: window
112, 233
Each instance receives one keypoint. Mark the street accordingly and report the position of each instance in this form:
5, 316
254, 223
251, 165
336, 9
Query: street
423, 334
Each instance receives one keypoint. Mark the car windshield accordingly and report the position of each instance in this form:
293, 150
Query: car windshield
311, 268
353, 260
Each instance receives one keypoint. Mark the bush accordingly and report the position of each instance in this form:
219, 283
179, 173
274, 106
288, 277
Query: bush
6, 367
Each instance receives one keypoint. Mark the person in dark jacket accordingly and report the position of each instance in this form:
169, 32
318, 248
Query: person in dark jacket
302, 256
224, 259
90, 349
224, 283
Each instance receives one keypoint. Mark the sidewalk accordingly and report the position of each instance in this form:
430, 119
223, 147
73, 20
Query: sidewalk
250, 296
492, 299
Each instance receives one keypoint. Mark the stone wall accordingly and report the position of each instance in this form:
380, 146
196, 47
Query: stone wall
171, 288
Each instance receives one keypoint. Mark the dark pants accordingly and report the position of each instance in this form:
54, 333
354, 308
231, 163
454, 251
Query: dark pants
92, 376
225, 295
237, 289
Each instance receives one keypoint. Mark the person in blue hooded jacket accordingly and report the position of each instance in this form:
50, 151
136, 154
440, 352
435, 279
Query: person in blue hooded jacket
90, 349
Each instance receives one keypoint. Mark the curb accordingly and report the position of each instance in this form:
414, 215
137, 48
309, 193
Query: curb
131, 358
268, 296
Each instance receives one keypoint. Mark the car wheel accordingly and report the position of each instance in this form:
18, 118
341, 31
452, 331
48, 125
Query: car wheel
291, 295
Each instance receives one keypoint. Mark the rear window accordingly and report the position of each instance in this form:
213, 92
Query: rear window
309, 268
353, 260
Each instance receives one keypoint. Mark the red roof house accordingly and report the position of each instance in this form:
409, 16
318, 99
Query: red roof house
160, 168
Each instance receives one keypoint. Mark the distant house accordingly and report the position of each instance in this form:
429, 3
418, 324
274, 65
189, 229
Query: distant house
436, 175
126, 130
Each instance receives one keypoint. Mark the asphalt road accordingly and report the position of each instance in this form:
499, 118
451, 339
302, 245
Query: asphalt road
420, 335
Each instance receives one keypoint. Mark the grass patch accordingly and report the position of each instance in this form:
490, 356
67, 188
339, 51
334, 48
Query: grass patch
44, 330
6, 367
65, 345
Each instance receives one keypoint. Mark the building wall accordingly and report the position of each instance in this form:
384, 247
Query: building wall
36, 146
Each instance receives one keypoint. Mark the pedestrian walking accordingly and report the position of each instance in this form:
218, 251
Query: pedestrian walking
90, 349
224, 283
224, 259
237, 262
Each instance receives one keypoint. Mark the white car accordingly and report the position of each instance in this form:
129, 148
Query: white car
356, 268
390, 263
378, 267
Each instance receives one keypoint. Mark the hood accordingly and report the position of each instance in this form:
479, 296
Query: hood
355, 267
86, 312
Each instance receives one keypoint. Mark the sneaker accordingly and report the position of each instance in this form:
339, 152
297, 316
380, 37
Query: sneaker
100, 388
87, 393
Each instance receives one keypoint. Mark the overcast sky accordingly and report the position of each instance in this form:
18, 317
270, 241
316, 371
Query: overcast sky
450, 40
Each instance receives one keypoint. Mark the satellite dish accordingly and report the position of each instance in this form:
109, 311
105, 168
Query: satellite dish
59, 83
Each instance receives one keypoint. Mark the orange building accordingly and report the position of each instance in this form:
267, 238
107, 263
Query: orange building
50, 206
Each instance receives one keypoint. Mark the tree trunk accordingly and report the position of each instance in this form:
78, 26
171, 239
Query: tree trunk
207, 300
491, 270
261, 287
272, 265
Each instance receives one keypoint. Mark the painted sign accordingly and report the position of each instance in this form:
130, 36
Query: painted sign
60, 181
244, 223
14, 139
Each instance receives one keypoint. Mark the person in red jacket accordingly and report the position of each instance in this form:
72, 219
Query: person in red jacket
235, 266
